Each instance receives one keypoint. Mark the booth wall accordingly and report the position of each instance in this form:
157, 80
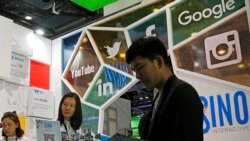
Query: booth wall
56, 51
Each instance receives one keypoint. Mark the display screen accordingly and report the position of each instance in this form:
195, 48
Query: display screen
134, 125
93, 5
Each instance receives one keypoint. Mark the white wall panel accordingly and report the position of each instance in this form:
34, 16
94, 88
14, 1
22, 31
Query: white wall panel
5, 40
38, 47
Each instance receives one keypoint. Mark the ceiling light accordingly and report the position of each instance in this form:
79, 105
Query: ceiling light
155, 10
241, 66
196, 64
28, 17
122, 55
194, 33
222, 52
39, 32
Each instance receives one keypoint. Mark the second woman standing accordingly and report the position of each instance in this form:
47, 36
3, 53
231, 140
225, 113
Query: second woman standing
70, 116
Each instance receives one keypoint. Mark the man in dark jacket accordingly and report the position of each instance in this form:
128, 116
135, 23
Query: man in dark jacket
177, 112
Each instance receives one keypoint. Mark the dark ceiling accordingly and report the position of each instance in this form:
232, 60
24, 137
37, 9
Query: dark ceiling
55, 17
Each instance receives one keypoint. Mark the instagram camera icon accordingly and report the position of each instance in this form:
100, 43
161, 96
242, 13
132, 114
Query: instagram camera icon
223, 50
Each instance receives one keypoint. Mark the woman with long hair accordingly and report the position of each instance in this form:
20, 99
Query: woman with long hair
11, 128
70, 116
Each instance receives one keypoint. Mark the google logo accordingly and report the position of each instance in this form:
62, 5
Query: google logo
217, 11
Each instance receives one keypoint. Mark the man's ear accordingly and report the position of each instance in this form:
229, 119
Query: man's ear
158, 62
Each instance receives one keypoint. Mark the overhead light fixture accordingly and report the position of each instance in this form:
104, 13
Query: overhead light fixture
39, 32
28, 17
155, 10
93, 5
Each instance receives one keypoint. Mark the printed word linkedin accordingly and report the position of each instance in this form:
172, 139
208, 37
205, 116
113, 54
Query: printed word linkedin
104, 89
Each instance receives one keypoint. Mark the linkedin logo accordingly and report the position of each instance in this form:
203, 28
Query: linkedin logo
223, 49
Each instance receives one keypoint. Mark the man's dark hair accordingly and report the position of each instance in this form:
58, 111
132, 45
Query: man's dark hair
76, 119
13, 116
148, 47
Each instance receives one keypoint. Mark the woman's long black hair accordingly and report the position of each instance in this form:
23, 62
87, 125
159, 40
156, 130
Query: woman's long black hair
76, 119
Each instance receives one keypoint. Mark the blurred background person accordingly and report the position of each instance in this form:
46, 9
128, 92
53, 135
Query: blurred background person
11, 128
70, 117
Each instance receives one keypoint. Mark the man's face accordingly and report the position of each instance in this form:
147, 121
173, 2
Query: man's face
145, 70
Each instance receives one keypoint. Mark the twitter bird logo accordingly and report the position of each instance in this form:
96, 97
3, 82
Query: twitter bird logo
112, 51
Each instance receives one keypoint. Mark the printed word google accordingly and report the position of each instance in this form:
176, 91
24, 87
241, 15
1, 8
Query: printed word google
217, 11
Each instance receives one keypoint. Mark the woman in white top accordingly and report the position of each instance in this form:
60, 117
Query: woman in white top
70, 116
11, 128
